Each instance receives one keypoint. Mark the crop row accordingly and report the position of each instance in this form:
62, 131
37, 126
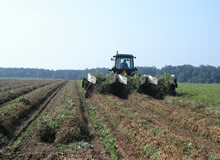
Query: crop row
60, 130
7, 85
151, 138
185, 117
63, 124
14, 93
13, 114
102, 131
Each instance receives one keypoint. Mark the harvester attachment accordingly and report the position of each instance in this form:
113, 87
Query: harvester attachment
149, 85
89, 85
158, 88
118, 85
117, 78
149, 79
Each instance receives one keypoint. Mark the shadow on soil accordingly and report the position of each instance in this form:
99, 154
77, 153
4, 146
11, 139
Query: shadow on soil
120, 91
184, 94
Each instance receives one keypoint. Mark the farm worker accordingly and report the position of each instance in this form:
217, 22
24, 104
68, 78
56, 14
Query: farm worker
175, 81
124, 65
173, 87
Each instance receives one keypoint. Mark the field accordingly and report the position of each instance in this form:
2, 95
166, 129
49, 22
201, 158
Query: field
48, 119
206, 93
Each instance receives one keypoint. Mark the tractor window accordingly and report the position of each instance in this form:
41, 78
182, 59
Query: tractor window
124, 63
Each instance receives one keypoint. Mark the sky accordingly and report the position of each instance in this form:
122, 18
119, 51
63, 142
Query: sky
79, 34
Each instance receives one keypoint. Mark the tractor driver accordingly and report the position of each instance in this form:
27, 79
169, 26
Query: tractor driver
124, 65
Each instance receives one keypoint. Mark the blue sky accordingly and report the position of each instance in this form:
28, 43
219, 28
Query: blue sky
79, 34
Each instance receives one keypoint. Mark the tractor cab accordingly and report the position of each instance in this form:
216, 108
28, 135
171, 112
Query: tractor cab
124, 64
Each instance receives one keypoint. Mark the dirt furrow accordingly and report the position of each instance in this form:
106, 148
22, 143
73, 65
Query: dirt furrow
113, 118
159, 139
169, 126
98, 147
125, 148
203, 126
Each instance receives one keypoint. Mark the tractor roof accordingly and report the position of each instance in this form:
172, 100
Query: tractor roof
124, 55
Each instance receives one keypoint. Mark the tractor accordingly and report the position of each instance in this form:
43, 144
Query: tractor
124, 66
119, 76
117, 80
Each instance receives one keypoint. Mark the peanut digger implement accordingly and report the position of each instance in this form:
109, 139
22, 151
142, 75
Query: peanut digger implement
122, 76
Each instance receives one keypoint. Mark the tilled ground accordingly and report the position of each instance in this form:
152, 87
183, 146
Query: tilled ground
59, 129
12, 92
157, 129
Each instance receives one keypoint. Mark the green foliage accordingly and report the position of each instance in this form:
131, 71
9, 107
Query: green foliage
105, 134
184, 73
206, 93
48, 128
160, 90
102, 82
134, 82
25, 101
23, 137
63, 148
64, 127
164, 83
213, 157
72, 130
150, 151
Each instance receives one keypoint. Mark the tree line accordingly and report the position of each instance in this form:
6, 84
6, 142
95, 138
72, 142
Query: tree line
184, 73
